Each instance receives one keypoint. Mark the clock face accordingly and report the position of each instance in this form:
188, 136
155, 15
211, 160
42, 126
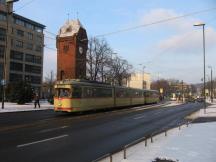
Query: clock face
80, 50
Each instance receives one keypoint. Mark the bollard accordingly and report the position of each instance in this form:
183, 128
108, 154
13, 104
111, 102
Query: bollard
146, 142
110, 158
187, 124
165, 133
124, 152
179, 127
151, 139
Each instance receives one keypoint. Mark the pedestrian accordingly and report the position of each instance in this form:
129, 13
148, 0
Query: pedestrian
36, 101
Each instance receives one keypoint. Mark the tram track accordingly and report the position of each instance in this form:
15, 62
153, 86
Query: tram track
65, 118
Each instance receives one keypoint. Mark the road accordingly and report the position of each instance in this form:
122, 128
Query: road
46, 136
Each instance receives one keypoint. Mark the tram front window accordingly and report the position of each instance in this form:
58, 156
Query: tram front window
63, 92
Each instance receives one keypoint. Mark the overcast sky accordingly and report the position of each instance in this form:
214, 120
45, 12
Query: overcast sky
169, 50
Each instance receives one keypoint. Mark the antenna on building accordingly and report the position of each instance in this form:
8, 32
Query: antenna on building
77, 14
68, 17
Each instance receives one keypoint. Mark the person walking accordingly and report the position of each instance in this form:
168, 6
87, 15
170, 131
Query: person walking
36, 101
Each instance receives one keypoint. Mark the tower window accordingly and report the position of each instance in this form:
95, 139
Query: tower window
66, 48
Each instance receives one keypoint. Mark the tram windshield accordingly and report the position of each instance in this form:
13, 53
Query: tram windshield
63, 92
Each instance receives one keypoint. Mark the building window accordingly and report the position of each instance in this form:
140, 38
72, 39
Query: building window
3, 17
29, 46
30, 36
38, 48
2, 1
2, 34
29, 26
2, 51
33, 59
33, 69
16, 66
1, 70
19, 44
20, 33
16, 55
39, 38
38, 29
15, 77
66, 48
19, 22
33, 79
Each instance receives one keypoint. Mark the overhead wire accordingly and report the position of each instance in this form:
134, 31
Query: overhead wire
156, 22
26, 4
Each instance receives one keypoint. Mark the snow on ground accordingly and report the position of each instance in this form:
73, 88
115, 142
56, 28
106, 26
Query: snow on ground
13, 107
195, 143
173, 103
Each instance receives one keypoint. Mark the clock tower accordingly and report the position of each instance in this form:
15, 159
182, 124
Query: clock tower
72, 44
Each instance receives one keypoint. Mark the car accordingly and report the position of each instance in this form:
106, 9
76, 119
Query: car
200, 99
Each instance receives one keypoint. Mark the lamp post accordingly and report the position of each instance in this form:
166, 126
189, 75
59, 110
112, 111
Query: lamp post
4, 81
203, 29
143, 68
211, 84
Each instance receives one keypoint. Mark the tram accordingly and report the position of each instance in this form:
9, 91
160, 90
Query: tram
79, 95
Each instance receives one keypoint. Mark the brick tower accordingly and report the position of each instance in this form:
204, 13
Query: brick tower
72, 44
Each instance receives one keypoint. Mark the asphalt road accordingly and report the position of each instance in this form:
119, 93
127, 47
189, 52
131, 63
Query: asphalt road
45, 136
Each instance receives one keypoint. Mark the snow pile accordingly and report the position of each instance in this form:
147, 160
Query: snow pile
209, 112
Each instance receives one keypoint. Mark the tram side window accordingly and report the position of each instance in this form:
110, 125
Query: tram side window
147, 94
121, 93
102, 92
87, 92
77, 92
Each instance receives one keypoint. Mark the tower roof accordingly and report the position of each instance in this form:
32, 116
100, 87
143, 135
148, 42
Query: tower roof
70, 28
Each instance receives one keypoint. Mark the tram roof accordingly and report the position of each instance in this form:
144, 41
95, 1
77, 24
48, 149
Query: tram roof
95, 83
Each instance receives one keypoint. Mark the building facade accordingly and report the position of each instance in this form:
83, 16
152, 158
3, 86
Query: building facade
139, 80
72, 45
24, 39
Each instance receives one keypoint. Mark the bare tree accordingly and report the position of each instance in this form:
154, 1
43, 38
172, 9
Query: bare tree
97, 56
102, 67
120, 71
48, 85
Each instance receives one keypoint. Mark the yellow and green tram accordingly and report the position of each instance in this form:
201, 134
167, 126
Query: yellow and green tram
78, 95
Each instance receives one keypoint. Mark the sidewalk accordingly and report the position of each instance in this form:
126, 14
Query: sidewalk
13, 107
195, 143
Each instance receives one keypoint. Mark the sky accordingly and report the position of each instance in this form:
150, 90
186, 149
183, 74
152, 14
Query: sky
170, 50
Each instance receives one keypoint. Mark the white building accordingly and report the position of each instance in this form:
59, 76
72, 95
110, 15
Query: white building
138, 80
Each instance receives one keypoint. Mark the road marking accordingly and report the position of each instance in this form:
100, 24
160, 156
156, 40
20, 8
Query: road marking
52, 129
139, 117
45, 140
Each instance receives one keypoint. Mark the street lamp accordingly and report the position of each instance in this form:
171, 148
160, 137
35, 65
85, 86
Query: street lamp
143, 68
203, 28
211, 84
3, 81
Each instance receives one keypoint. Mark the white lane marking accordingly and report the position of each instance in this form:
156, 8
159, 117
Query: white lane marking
143, 116
45, 140
156, 113
52, 129
139, 117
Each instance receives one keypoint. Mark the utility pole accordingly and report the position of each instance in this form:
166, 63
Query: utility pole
204, 86
182, 83
211, 87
